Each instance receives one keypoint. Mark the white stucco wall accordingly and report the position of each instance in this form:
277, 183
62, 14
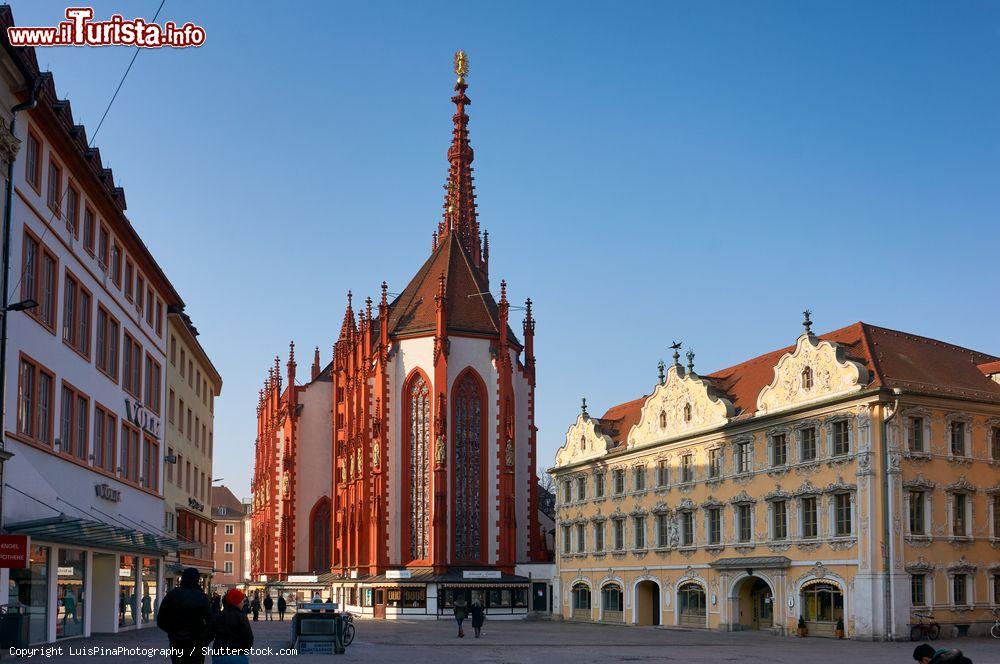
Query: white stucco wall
313, 468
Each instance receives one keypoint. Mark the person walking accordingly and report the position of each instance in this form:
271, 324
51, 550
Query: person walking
147, 607
268, 606
478, 612
233, 634
186, 616
461, 611
216, 603
246, 605
282, 605
255, 607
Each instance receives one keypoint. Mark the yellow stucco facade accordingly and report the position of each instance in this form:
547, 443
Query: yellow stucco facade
838, 493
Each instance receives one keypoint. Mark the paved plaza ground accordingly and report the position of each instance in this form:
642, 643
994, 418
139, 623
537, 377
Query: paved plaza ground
548, 642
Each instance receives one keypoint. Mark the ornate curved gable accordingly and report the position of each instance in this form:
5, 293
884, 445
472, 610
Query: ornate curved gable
584, 441
683, 403
815, 370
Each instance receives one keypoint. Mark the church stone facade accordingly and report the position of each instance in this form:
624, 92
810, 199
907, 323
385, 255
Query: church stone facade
401, 477
852, 480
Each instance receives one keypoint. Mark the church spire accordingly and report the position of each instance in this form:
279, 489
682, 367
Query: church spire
460, 198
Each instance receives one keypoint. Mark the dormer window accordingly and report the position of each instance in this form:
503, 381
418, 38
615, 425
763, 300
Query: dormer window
663, 419
807, 378
687, 412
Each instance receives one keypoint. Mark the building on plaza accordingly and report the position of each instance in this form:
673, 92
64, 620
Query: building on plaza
85, 377
402, 475
851, 476
193, 383
230, 540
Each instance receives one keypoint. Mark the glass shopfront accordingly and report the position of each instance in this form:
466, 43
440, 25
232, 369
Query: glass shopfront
71, 580
127, 600
149, 603
29, 587
497, 600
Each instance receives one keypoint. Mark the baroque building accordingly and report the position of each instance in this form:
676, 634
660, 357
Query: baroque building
853, 477
407, 480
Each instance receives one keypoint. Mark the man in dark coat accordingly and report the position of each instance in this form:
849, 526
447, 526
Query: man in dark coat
255, 607
478, 612
268, 606
281, 606
216, 603
186, 616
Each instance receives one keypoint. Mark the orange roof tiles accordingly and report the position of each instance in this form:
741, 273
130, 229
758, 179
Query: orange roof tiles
895, 359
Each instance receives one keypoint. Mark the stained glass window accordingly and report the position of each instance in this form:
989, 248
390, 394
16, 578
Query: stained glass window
420, 423
468, 459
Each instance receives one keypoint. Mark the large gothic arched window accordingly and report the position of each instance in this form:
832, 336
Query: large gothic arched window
418, 432
468, 431
319, 536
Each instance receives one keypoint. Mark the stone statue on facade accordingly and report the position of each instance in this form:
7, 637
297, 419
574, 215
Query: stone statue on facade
376, 454
439, 451
509, 452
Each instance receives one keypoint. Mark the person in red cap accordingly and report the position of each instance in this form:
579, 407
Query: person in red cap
233, 635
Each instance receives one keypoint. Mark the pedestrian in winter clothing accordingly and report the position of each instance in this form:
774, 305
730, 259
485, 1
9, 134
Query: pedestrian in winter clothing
925, 653
233, 635
246, 606
255, 607
478, 612
216, 603
268, 605
186, 616
461, 611
281, 607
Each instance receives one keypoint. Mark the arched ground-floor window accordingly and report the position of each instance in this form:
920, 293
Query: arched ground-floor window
581, 601
612, 603
822, 606
691, 605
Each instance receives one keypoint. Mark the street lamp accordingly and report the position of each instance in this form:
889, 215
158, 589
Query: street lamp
23, 305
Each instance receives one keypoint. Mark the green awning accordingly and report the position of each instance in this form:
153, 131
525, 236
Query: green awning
85, 532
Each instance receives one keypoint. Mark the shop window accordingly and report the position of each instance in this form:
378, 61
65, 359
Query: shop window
29, 587
128, 602
691, 604
581, 597
612, 598
71, 580
822, 603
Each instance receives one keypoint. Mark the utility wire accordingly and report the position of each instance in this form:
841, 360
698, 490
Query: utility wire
90, 144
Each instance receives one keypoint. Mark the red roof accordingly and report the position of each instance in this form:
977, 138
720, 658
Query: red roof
894, 359
470, 308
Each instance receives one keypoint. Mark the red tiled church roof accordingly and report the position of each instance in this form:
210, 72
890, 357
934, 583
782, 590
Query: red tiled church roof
894, 359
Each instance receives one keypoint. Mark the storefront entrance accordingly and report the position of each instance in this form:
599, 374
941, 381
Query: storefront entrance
540, 597
755, 604
378, 602
647, 603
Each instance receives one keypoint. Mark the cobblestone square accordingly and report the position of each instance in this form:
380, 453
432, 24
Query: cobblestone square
551, 642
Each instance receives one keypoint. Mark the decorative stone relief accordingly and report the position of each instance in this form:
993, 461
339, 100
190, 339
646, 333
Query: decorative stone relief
683, 403
584, 441
831, 374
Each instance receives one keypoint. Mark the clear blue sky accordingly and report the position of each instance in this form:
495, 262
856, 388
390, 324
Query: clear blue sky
647, 172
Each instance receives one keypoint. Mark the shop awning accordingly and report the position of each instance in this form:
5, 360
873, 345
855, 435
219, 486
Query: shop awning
96, 534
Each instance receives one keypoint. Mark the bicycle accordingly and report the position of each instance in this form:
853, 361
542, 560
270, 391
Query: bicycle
348, 628
925, 630
995, 630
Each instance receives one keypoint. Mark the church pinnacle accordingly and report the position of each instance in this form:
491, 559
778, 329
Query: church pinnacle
460, 199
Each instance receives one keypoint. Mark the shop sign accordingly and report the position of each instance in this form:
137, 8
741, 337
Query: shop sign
194, 504
398, 574
67, 571
481, 574
107, 493
354, 573
142, 418
303, 578
126, 571
14, 551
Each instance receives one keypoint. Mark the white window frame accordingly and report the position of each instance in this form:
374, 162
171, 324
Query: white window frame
743, 456
970, 588
230, 528
848, 421
229, 547
832, 514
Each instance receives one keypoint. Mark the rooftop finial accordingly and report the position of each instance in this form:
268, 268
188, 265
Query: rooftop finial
461, 65
676, 346
385, 294
291, 351
662, 377
690, 357
583, 405
807, 321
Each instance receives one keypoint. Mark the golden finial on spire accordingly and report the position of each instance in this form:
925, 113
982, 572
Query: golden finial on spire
461, 65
